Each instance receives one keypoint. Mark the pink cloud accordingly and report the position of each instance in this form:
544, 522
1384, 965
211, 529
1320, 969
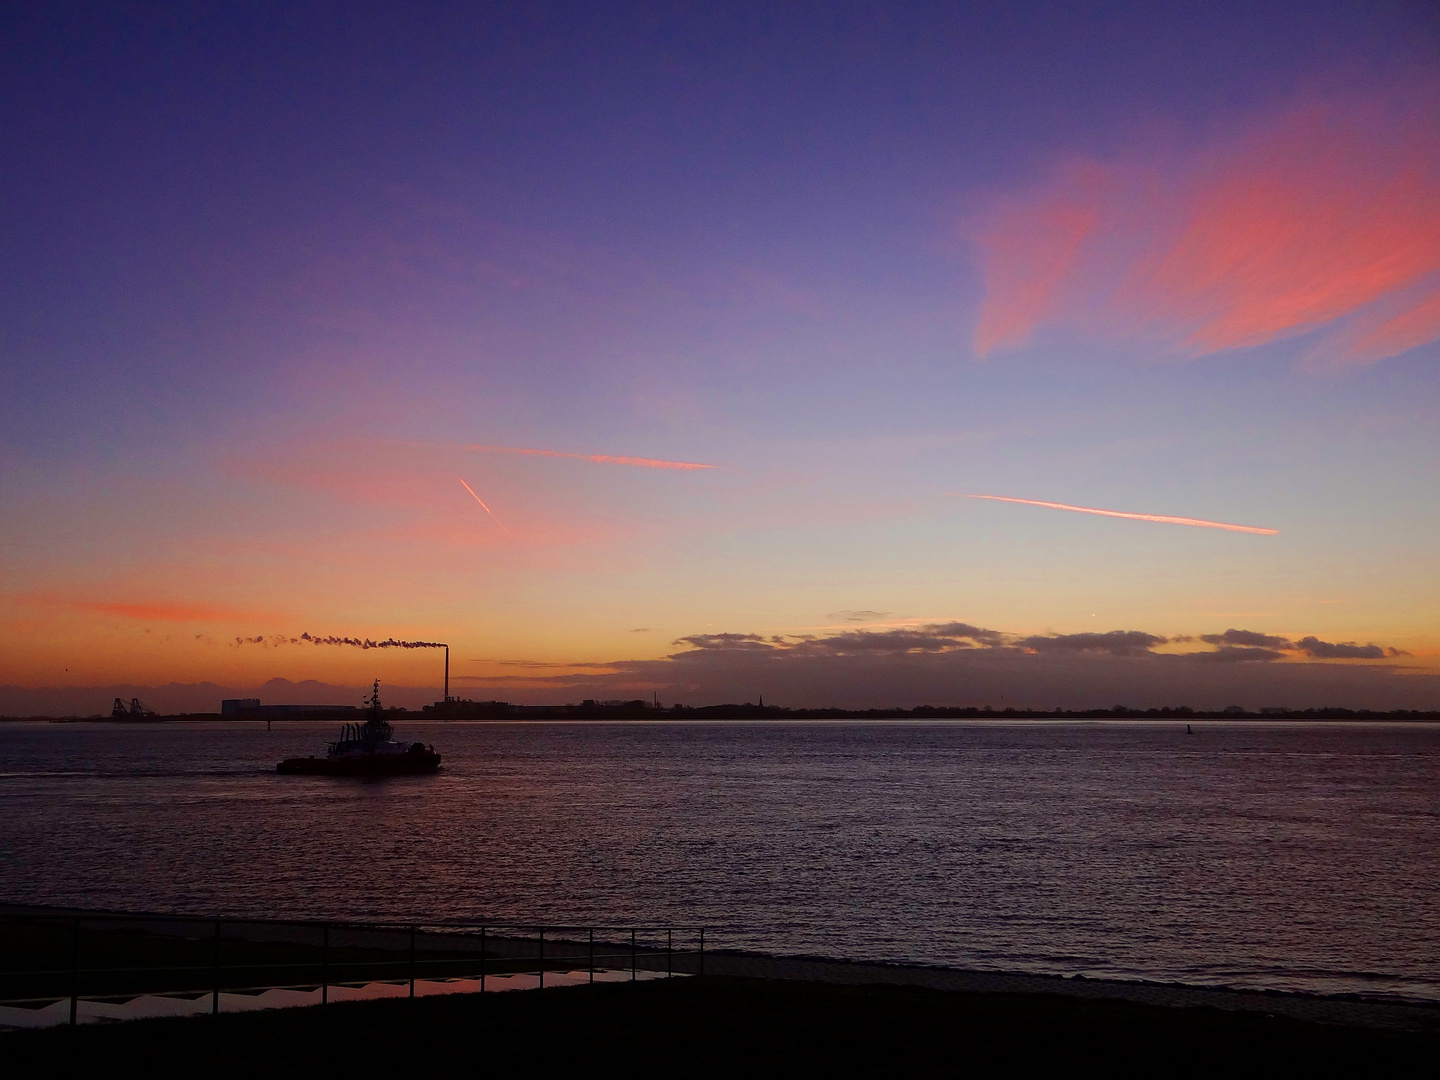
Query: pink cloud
1387, 330
536, 534
1322, 218
357, 472
598, 459
418, 499
1031, 251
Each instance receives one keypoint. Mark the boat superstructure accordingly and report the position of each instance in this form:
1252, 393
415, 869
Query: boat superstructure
367, 749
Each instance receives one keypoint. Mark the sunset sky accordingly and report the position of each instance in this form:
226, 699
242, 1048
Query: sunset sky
659, 349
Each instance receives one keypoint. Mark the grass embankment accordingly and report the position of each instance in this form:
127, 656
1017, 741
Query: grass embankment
717, 1026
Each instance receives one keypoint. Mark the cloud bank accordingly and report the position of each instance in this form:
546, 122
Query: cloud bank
956, 663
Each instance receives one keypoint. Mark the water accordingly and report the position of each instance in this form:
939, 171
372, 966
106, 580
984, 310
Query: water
1284, 856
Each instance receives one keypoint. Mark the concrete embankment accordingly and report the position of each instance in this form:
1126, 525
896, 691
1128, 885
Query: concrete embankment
722, 1025
373, 952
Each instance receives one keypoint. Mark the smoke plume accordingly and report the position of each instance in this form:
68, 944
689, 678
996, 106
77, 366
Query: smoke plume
331, 639
370, 643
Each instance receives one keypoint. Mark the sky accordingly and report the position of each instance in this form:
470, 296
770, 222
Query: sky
662, 349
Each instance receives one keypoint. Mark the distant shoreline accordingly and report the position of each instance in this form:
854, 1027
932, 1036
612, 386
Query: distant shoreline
580, 713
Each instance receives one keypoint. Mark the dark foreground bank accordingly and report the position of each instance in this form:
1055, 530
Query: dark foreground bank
715, 1026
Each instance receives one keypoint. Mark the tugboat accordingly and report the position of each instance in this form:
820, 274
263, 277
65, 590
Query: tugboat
367, 750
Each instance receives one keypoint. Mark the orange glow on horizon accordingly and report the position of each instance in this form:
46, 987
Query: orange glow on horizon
160, 611
598, 459
1161, 518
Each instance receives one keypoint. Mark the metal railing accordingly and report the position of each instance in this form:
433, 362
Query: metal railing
47, 956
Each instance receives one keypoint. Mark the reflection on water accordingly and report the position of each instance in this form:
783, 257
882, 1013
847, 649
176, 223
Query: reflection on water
1288, 856
152, 1005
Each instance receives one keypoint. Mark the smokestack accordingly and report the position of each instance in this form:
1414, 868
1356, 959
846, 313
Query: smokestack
447, 672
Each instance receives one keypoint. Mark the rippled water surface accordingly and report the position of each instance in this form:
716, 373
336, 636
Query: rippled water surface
1279, 855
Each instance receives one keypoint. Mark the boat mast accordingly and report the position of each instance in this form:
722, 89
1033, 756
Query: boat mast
375, 729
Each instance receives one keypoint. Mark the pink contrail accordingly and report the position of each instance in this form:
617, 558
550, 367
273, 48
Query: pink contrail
481, 501
1135, 517
599, 459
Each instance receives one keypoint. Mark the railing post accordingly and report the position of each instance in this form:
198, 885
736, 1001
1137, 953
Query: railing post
217, 942
215, 993
75, 972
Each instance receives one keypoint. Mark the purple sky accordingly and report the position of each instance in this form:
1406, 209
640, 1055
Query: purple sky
281, 277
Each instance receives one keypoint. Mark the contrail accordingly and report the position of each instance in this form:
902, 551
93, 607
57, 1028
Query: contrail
481, 501
598, 459
1135, 517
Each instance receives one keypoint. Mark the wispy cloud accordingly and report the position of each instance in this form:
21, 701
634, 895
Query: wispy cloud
1321, 217
1344, 650
1112, 643
598, 459
1247, 638
1161, 518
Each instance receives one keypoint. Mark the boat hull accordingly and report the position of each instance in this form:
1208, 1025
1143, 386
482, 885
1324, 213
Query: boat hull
408, 764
